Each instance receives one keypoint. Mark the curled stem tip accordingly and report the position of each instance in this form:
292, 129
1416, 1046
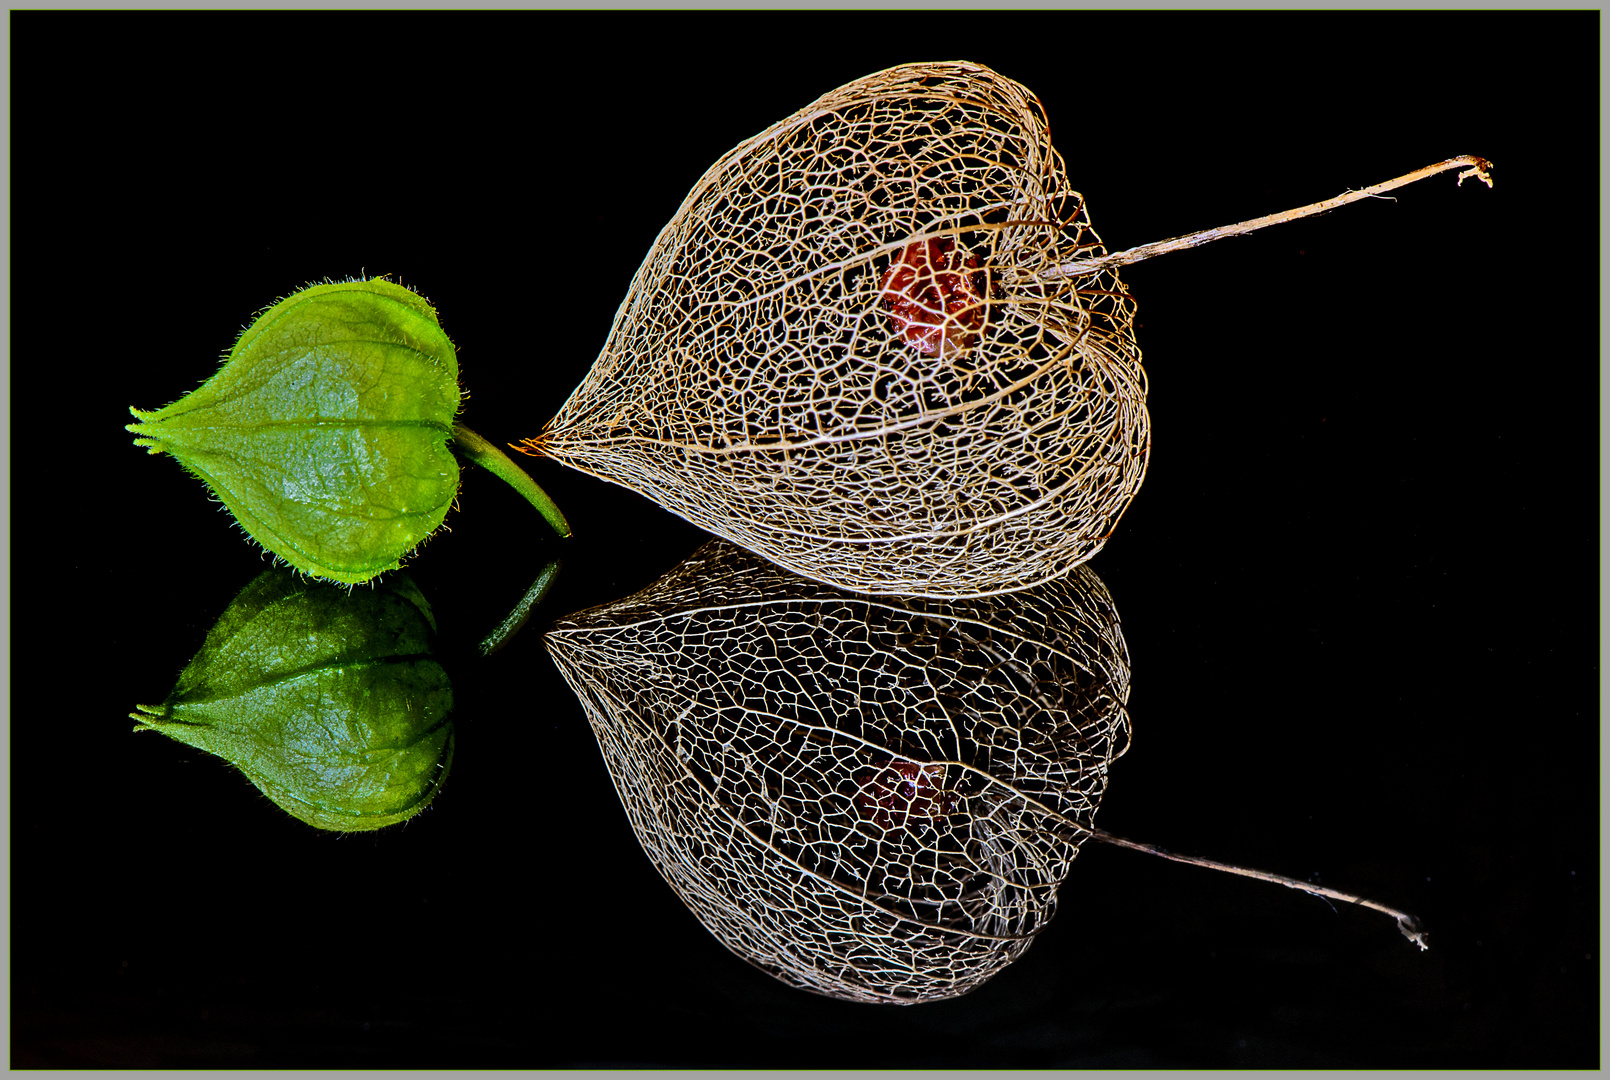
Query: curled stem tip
1408, 925
522, 611
496, 462
1472, 166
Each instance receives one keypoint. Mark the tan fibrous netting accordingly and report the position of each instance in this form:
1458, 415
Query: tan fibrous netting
872, 799
969, 424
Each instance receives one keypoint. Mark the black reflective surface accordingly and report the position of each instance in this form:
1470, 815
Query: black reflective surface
1358, 586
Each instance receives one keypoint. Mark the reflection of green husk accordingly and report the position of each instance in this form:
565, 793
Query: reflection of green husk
330, 702
522, 611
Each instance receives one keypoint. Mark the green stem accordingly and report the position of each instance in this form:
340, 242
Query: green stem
522, 611
497, 463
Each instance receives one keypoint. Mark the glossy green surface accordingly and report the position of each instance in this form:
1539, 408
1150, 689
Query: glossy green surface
329, 702
326, 431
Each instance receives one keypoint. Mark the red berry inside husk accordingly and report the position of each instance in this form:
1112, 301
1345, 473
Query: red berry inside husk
934, 294
897, 791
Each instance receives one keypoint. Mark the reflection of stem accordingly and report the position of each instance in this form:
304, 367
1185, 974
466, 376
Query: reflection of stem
1408, 925
1475, 167
497, 463
522, 611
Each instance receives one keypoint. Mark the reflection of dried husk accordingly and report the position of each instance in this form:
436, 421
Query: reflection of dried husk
854, 351
858, 795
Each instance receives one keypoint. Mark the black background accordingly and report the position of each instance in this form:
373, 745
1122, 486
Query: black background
1359, 585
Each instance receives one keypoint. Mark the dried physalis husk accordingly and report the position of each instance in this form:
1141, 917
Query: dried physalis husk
880, 344
871, 798
867, 798
846, 351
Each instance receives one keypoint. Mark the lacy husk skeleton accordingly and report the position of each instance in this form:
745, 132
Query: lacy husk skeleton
881, 344
870, 798
861, 796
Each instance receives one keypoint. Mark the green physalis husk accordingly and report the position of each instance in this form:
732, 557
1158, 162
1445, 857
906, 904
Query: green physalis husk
326, 430
329, 702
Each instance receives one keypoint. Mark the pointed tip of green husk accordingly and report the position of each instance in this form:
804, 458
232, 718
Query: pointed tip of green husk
148, 715
147, 432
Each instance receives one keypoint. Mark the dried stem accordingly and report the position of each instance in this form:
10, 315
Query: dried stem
1408, 925
1474, 167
